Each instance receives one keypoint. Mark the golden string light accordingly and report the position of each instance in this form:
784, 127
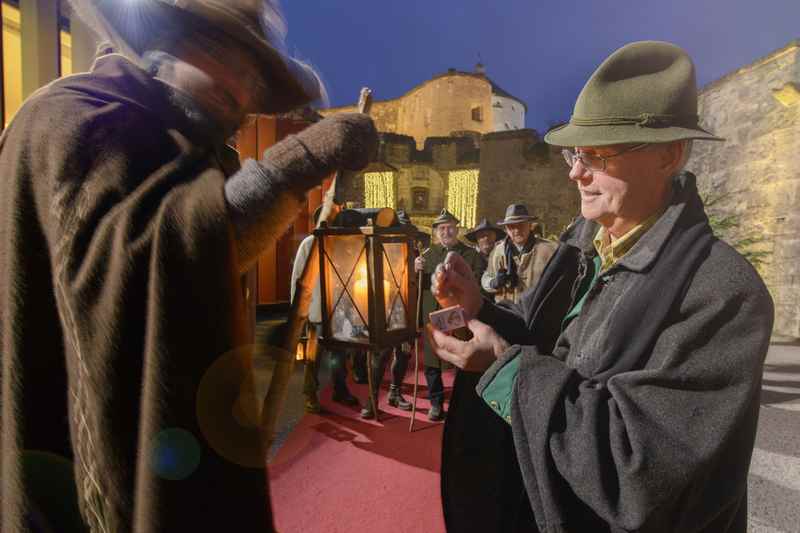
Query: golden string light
379, 189
462, 197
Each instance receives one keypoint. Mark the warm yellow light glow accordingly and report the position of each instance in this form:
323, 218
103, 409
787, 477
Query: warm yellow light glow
788, 95
379, 189
361, 289
65, 42
462, 197
12, 61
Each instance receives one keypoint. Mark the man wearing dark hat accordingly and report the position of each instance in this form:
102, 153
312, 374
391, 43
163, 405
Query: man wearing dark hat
445, 228
622, 393
484, 236
517, 262
127, 226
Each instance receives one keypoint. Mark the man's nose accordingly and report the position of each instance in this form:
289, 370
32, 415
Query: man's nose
578, 171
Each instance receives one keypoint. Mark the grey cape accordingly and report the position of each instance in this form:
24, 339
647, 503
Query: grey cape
643, 416
119, 289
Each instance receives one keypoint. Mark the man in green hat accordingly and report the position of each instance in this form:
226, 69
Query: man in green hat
622, 393
128, 226
445, 228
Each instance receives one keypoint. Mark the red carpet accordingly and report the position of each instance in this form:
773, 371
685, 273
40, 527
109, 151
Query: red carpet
339, 473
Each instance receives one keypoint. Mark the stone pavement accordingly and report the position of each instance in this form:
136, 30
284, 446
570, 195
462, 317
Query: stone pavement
774, 497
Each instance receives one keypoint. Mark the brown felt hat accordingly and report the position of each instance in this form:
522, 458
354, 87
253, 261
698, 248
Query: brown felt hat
257, 25
645, 92
516, 213
484, 225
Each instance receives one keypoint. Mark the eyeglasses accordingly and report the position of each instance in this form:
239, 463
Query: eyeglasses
595, 163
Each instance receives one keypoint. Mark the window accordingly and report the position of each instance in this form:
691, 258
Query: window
477, 114
419, 198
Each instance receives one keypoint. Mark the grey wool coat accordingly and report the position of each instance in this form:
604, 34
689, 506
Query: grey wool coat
643, 415
119, 290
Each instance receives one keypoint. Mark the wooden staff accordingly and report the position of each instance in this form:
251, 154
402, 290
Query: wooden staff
298, 312
416, 344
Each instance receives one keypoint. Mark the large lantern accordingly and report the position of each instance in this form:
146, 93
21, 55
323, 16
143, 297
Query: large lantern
368, 289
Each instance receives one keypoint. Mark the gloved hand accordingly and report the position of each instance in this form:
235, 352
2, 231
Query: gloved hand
499, 280
346, 141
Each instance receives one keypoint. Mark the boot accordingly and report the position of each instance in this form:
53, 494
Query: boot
368, 411
396, 399
436, 413
311, 405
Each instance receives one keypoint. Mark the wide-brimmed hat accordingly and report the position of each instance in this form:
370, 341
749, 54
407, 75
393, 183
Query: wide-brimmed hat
472, 235
516, 213
258, 25
645, 92
444, 216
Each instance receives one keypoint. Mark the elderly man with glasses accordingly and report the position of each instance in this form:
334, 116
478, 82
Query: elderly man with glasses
622, 394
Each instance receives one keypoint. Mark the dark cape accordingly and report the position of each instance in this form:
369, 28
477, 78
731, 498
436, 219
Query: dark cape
119, 289
643, 415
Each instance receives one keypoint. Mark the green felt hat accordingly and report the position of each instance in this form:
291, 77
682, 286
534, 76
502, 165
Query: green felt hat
444, 216
645, 92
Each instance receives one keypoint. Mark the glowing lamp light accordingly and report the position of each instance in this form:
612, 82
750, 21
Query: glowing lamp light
368, 286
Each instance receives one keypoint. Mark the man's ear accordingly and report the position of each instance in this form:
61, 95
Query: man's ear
672, 156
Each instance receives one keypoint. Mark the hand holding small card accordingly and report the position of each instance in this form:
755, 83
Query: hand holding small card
448, 319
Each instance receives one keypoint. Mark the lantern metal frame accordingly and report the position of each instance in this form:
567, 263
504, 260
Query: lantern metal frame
378, 337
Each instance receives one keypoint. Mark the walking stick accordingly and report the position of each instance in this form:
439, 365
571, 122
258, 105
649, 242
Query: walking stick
298, 312
416, 347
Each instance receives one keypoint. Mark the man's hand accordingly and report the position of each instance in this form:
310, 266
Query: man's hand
419, 264
345, 141
474, 355
453, 283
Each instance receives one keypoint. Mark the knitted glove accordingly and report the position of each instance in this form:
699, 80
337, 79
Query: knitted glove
500, 279
346, 141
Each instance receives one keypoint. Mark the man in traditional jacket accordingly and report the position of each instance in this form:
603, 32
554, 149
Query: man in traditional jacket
517, 262
626, 384
445, 227
125, 230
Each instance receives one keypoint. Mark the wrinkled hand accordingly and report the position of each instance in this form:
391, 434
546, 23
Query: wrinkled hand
419, 264
453, 283
345, 141
474, 355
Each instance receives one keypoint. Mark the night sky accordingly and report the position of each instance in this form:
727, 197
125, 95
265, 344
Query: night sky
540, 51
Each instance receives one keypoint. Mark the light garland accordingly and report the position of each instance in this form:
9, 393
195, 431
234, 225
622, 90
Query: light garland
379, 189
462, 197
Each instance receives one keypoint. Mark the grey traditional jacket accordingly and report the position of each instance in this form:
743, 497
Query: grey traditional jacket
643, 416
530, 265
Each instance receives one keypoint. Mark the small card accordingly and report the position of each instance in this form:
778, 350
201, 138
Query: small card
448, 319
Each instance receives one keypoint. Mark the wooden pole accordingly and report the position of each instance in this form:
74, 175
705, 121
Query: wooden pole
416, 350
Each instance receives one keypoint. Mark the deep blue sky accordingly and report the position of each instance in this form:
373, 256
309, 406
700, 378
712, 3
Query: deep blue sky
541, 51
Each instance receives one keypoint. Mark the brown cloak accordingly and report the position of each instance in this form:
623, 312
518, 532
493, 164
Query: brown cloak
118, 290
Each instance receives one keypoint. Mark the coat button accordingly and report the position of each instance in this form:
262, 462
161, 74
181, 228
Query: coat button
508, 419
495, 405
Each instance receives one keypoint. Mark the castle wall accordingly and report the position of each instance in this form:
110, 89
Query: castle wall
516, 167
755, 170
507, 114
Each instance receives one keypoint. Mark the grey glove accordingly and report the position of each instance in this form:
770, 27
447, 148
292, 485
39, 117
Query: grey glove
347, 141
266, 195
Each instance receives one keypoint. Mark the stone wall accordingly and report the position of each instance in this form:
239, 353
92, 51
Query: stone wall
756, 171
517, 167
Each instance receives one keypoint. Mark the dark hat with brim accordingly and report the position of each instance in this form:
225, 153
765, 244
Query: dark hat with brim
483, 225
645, 92
444, 216
516, 214
257, 25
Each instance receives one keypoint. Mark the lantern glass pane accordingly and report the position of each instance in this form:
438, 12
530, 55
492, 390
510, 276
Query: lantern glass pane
347, 287
395, 272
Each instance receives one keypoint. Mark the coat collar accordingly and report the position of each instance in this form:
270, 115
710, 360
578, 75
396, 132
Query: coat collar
684, 204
